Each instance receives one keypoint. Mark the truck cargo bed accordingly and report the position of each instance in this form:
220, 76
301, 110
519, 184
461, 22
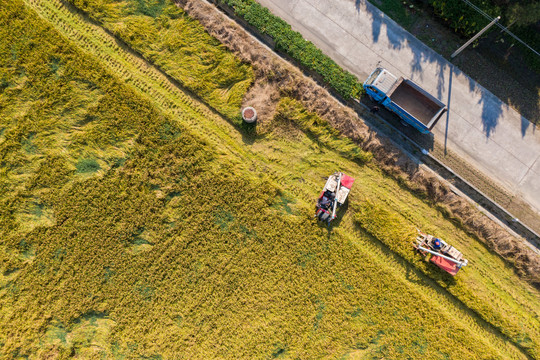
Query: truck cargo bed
420, 104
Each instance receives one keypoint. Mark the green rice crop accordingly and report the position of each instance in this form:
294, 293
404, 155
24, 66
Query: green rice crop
289, 109
135, 225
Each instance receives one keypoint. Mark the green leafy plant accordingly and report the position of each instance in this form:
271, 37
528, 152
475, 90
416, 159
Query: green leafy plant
293, 44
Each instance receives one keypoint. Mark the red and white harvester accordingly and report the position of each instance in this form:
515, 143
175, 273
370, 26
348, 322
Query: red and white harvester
442, 254
334, 194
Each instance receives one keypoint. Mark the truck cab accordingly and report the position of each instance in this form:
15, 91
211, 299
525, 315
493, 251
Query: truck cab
379, 83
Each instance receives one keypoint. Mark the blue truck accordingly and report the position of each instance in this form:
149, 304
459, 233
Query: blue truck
410, 102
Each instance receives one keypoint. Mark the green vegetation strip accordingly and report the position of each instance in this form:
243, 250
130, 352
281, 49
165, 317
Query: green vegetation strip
293, 44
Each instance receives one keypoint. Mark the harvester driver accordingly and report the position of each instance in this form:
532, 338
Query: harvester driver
437, 244
326, 200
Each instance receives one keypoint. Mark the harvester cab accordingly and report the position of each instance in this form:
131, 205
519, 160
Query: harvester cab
443, 255
334, 194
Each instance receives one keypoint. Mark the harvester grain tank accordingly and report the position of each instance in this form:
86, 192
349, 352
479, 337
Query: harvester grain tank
444, 255
334, 194
410, 102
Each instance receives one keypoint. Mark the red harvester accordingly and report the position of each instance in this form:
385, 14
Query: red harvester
442, 254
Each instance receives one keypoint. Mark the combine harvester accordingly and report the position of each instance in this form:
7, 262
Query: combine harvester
443, 255
334, 194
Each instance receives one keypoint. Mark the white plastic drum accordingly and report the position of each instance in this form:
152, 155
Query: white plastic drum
249, 115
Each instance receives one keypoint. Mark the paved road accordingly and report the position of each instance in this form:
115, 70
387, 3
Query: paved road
479, 127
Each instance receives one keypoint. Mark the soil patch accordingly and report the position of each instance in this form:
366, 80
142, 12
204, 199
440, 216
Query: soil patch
263, 96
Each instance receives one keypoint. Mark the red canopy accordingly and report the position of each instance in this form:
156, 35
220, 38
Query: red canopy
444, 264
347, 181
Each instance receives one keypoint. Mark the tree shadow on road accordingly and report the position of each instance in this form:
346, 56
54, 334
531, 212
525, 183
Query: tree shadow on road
423, 57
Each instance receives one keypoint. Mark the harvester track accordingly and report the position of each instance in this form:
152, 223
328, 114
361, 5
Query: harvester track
132, 68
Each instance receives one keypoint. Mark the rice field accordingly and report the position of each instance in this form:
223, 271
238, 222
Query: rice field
138, 220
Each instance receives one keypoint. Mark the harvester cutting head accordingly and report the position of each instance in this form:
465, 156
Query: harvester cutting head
334, 194
442, 254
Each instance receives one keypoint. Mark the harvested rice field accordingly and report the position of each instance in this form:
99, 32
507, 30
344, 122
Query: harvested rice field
140, 219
